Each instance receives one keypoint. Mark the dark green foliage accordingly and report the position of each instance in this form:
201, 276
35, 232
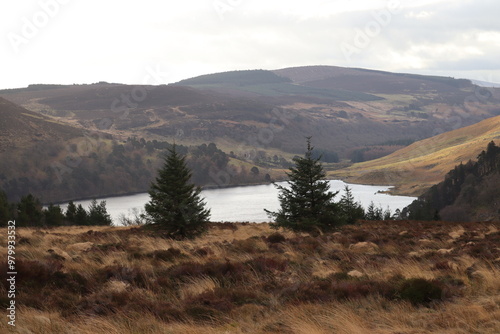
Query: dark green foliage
5, 209
204, 160
53, 215
175, 205
81, 216
351, 210
29, 211
71, 212
358, 156
464, 189
98, 214
329, 157
306, 204
374, 213
419, 291
276, 238
255, 170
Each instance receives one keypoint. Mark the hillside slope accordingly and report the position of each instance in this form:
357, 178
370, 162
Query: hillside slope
469, 192
415, 168
20, 127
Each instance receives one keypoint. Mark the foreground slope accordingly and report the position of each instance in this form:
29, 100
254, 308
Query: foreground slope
415, 168
379, 277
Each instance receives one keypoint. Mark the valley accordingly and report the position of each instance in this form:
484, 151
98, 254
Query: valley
83, 139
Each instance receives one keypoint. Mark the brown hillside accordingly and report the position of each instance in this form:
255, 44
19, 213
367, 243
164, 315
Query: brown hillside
415, 168
20, 127
336, 105
378, 278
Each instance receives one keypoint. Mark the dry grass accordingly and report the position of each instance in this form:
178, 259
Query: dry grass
415, 168
248, 278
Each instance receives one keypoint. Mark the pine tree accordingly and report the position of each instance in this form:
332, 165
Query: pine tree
352, 211
29, 211
5, 209
175, 205
98, 214
306, 205
53, 215
71, 212
81, 216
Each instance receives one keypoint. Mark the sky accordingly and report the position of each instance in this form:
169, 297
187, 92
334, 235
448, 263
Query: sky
160, 42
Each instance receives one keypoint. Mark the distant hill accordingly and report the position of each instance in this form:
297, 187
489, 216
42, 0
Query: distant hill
345, 109
370, 81
418, 166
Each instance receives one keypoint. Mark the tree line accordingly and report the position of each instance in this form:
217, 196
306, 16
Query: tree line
29, 211
177, 209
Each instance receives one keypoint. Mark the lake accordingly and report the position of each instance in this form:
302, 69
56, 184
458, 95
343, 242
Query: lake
247, 204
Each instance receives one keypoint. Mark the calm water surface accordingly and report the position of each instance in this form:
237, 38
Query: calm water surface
247, 204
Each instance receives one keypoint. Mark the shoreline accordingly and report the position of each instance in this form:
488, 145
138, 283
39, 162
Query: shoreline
102, 197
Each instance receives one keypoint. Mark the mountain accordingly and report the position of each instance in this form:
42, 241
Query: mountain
346, 110
418, 166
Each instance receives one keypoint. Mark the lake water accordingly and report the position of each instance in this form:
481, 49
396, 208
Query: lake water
247, 204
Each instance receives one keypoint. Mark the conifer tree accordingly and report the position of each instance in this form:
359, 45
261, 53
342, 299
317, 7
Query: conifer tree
5, 209
307, 204
53, 215
81, 216
98, 214
352, 211
71, 212
175, 205
29, 211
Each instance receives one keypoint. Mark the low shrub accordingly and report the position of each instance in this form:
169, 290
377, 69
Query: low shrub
419, 291
276, 238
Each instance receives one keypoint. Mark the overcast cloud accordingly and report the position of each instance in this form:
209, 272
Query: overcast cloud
76, 41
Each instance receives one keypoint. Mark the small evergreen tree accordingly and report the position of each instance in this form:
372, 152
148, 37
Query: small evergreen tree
307, 205
53, 215
5, 209
71, 212
175, 205
374, 213
81, 216
387, 214
29, 211
351, 210
98, 214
